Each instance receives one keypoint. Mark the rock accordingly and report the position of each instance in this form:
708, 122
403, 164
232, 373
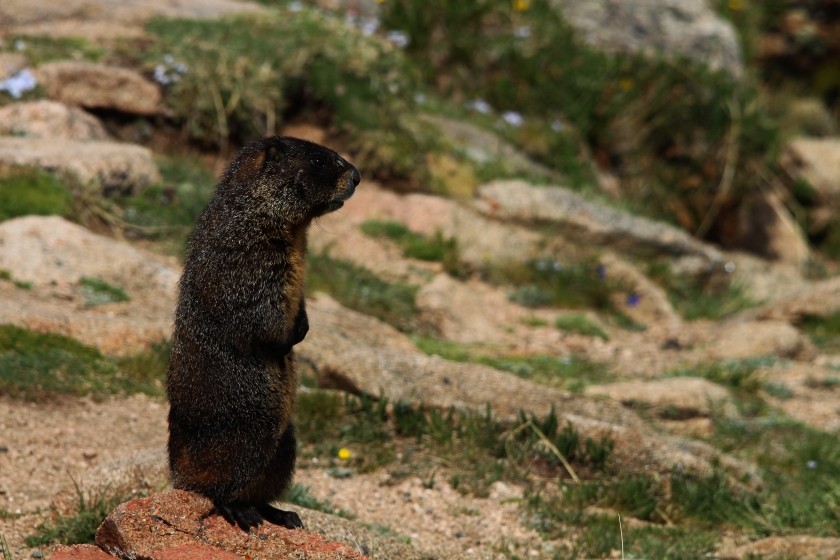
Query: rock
376, 361
179, 524
54, 255
738, 340
480, 241
652, 307
96, 86
107, 167
485, 147
95, 19
80, 552
804, 547
815, 299
49, 119
766, 228
586, 221
682, 397
674, 28
817, 160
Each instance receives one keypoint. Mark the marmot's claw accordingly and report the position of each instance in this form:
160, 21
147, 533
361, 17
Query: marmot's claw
287, 519
244, 517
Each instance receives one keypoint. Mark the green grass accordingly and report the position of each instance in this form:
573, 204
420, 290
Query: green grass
6, 276
474, 449
39, 49
571, 373
36, 366
575, 284
414, 245
92, 508
4, 548
580, 324
30, 192
168, 212
99, 292
699, 297
359, 289
823, 331
299, 495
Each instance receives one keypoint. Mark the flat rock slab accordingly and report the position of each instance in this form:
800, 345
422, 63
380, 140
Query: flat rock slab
97, 86
182, 525
378, 359
521, 202
107, 18
106, 167
687, 396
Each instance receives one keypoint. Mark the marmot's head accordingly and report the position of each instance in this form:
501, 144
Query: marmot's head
292, 180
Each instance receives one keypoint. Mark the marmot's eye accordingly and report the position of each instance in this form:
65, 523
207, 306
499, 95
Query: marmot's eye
318, 161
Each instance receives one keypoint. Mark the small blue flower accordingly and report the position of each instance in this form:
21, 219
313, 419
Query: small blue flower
513, 118
602, 271
399, 38
481, 106
18, 84
633, 299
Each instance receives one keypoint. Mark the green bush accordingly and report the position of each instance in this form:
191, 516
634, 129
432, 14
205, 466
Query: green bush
243, 77
684, 139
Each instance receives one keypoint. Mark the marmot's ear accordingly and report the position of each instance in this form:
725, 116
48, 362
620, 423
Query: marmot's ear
276, 149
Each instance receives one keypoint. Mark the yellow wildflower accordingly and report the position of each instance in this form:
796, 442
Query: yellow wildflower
343, 453
521, 5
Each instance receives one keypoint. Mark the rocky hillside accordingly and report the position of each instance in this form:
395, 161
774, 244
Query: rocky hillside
584, 303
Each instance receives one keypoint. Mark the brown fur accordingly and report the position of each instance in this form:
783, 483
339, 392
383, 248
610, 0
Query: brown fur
231, 381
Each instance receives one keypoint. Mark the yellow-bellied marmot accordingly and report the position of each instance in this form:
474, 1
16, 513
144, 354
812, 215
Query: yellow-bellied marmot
231, 380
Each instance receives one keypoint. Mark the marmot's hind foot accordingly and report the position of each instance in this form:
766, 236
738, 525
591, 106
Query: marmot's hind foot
247, 517
287, 519
244, 517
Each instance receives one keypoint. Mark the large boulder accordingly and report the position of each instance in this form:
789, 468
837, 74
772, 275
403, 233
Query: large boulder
180, 524
49, 119
96, 86
101, 166
684, 28
51, 256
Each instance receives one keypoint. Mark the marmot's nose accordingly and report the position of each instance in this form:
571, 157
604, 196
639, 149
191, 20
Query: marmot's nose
357, 177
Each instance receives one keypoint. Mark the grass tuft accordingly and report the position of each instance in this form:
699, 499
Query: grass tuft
99, 292
357, 288
92, 507
31, 192
580, 324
